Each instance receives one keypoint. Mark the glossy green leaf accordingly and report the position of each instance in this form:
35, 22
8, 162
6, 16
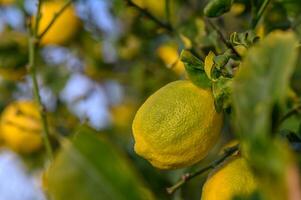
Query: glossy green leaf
90, 168
195, 69
216, 8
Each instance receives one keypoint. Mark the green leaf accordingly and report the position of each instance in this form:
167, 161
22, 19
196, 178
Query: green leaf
216, 8
247, 38
222, 90
263, 81
195, 69
90, 168
260, 86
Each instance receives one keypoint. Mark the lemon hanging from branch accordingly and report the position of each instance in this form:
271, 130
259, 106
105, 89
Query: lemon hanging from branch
20, 127
232, 178
177, 125
64, 27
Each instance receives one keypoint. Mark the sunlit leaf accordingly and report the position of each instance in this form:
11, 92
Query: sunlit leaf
90, 167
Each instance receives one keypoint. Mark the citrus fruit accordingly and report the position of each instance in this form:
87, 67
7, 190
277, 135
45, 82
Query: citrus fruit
20, 127
65, 26
122, 114
155, 7
232, 178
170, 56
176, 126
6, 2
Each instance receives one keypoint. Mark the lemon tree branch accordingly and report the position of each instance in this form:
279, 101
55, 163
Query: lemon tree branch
33, 45
146, 13
186, 177
34, 40
258, 15
222, 37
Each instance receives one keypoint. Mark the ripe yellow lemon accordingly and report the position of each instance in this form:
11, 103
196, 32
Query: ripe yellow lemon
20, 127
232, 178
171, 58
155, 7
122, 115
6, 2
65, 26
176, 126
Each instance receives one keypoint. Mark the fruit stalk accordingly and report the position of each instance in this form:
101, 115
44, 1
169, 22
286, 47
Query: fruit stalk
33, 44
186, 177
258, 16
166, 26
34, 40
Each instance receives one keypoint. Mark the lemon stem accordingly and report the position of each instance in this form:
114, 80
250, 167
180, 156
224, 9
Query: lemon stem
186, 177
223, 38
258, 16
34, 41
147, 14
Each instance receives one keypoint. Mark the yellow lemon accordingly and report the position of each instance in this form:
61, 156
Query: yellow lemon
122, 114
65, 26
6, 2
231, 178
176, 126
170, 56
155, 7
20, 127
13, 74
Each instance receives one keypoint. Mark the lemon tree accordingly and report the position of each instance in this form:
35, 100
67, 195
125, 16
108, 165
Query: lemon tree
143, 99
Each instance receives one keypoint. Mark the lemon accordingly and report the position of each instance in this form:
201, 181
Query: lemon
155, 7
20, 127
232, 178
65, 26
6, 2
176, 126
13, 74
170, 56
122, 114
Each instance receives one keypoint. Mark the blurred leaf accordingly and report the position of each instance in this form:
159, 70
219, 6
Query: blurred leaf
263, 81
222, 89
247, 38
261, 85
216, 8
89, 167
195, 69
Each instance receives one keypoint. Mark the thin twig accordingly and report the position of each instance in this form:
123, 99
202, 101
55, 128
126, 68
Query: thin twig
185, 178
34, 40
54, 18
146, 13
223, 39
33, 45
167, 11
290, 113
257, 18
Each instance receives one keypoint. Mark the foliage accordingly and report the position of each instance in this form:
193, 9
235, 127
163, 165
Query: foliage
89, 66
